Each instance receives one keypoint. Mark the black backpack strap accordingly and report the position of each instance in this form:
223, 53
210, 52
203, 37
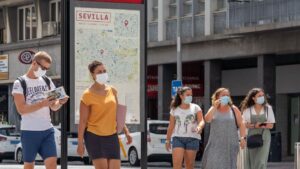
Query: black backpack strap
233, 112
23, 85
47, 80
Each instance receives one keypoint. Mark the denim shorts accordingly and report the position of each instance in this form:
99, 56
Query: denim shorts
186, 143
42, 142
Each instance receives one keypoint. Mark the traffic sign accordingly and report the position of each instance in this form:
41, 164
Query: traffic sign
175, 85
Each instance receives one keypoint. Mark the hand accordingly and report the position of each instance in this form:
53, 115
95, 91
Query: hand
217, 104
80, 149
64, 100
168, 146
129, 139
249, 125
199, 130
257, 125
47, 102
243, 143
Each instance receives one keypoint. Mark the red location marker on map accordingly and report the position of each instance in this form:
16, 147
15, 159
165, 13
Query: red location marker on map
126, 22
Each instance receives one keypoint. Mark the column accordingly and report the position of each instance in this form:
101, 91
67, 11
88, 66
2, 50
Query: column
266, 73
210, 6
212, 81
163, 13
165, 77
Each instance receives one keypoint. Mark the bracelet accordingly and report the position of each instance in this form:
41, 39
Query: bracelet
167, 141
243, 138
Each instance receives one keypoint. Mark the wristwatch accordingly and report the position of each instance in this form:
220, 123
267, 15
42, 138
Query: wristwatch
167, 141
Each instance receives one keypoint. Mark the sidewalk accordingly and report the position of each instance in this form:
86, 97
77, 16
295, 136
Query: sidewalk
282, 165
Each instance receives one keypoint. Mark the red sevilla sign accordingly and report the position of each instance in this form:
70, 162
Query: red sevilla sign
119, 1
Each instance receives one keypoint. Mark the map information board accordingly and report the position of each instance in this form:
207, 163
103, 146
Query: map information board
111, 36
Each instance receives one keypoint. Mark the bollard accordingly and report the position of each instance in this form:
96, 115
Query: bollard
297, 156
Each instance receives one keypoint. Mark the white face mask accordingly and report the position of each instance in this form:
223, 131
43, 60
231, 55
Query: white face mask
39, 72
102, 78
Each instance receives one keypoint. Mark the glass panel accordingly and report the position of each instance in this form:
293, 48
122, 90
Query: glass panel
295, 110
27, 23
21, 24
220, 4
34, 23
159, 128
59, 18
1, 35
201, 6
187, 9
53, 12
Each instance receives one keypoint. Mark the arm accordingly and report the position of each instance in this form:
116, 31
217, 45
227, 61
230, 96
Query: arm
84, 115
249, 125
200, 120
210, 114
127, 134
242, 127
171, 127
169, 132
24, 108
239, 119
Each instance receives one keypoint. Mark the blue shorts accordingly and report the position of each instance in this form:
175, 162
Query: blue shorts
186, 143
42, 142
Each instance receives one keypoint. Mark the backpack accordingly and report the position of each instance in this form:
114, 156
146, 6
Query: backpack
24, 87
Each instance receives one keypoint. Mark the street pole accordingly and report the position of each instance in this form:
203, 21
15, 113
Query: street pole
144, 142
65, 81
179, 61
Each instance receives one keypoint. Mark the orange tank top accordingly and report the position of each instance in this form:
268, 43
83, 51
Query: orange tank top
103, 109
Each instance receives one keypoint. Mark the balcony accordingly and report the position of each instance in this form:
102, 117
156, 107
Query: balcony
263, 12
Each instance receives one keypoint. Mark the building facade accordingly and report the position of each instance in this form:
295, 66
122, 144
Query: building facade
27, 26
238, 45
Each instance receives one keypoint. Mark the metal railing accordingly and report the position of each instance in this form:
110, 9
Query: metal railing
259, 12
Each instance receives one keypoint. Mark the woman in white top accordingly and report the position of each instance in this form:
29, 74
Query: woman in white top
185, 127
259, 118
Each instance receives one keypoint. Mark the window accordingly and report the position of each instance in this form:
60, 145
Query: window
200, 7
221, 4
160, 128
188, 7
155, 10
1, 36
27, 23
173, 7
55, 13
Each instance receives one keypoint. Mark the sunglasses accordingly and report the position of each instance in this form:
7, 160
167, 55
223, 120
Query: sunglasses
43, 67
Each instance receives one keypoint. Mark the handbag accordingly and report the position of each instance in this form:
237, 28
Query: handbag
256, 140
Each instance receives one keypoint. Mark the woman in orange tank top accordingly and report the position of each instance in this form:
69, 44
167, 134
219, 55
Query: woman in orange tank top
97, 125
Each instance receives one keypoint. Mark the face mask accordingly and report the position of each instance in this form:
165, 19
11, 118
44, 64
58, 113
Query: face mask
188, 99
224, 100
260, 100
39, 72
102, 78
